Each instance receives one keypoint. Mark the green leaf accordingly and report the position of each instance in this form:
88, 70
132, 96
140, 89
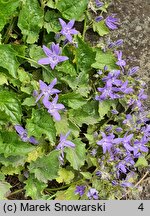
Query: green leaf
35, 54
76, 156
104, 107
51, 4
88, 114
79, 84
30, 20
52, 21
86, 175
11, 170
13, 160
10, 145
72, 9
141, 162
65, 125
10, 105
23, 76
3, 79
41, 123
105, 59
9, 55
67, 68
100, 28
46, 168
34, 188
8, 9
72, 100
65, 176
67, 194
85, 56
30, 101
4, 190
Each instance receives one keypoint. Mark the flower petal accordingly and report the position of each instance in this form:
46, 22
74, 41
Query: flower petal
70, 24
62, 23
42, 85
44, 61
56, 116
20, 129
47, 51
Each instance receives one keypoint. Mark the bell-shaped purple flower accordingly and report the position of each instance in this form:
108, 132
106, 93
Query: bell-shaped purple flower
80, 190
112, 22
106, 142
47, 90
120, 61
53, 107
98, 3
92, 194
53, 56
63, 142
24, 135
67, 29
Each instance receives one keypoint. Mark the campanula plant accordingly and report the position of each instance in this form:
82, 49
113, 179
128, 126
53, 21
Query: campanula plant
73, 123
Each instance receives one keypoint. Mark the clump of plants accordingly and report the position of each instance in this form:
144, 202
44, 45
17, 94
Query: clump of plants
73, 124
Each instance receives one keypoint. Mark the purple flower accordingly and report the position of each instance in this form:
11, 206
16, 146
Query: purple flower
125, 141
67, 29
93, 152
120, 61
92, 194
98, 173
112, 76
80, 190
53, 56
98, 3
115, 112
114, 183
139, 146
121, 167
53, 107
106, 142
128, 119
133, 70
108, 128
63, 142
119, 129
24, 135
98, 19
126, 184
129, 159
107, 92
118, 42
47, 90
124, 89
115, 43
141, 95
100, 72
112, 22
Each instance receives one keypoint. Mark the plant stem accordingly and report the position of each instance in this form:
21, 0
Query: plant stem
60, 188
84, 27
31, 60
15, 192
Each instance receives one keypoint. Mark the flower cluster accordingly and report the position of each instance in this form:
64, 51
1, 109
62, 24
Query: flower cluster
46, 92
114, 88
53, 54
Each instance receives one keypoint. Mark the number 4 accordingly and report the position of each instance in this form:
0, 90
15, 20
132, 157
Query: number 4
141, 207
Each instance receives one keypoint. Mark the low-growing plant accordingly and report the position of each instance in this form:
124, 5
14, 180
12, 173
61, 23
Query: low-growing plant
72, 115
